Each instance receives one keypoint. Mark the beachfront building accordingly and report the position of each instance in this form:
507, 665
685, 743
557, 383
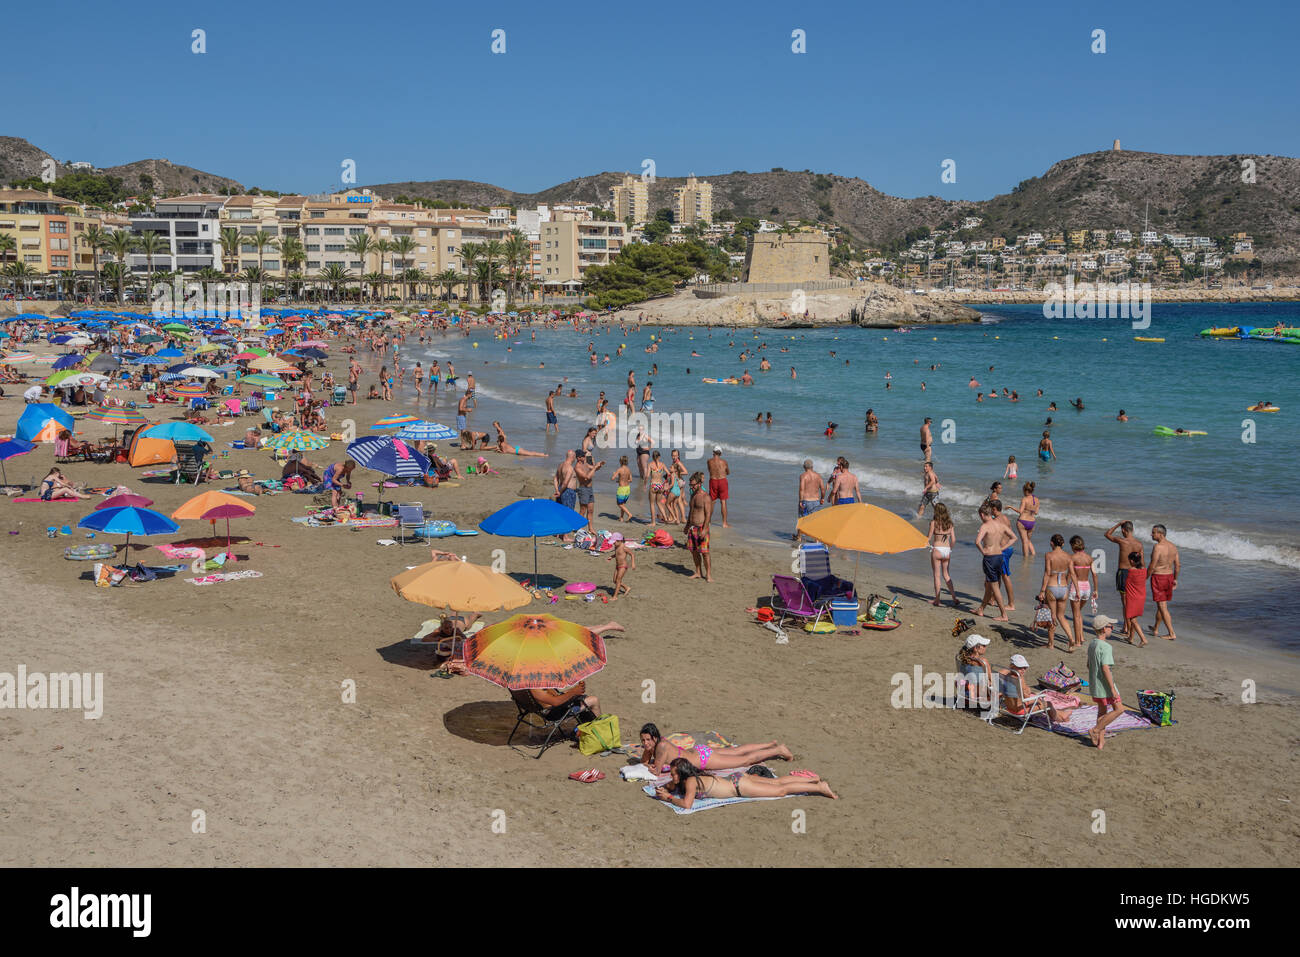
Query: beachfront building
191, 229
48, 232
632, 200
569, 246
694, 202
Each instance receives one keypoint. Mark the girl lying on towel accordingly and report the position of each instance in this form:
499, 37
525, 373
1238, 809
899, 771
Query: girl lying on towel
686, 782
657, 751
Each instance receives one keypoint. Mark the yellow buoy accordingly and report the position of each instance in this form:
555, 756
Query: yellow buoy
476, 345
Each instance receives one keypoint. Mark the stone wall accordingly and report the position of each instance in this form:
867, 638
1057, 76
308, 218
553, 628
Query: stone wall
787, 258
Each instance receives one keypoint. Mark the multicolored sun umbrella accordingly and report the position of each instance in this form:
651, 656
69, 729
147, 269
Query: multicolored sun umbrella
298, 440
110, 415
9, 449
395, 419
17, 358
424, 431
535, 651
190, 390
262, 380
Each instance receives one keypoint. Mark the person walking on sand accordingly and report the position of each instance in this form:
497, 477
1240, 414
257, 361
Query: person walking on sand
696, 531
462, 413
719, 489
943, 535
927, 438
586, 473
1165, 567
1055, 588
1007, 553
1026, 516
992, 538
812, 489
1101, 680
1135, 598
623, 561
1083, 586
1128, 544
622, 479
930, 492
551, 419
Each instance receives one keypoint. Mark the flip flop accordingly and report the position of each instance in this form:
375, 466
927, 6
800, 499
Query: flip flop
589, 776
803, 773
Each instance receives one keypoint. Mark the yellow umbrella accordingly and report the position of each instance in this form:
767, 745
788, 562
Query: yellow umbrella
862, 528
535, 651
459, 586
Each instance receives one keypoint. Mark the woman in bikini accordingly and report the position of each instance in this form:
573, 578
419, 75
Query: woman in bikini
642, 453
1055, 588
686, 782
55, 487
942, 536
657, 751
505, 448
676, 504
657, 482
1027, 515
622, 479
1083, 586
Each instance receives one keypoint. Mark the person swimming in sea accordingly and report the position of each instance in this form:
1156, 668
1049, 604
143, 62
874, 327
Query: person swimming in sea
1045, 450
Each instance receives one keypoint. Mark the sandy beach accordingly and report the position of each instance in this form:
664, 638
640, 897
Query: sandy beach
229, 700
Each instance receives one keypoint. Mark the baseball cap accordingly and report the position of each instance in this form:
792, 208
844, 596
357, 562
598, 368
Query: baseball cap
717, 451
1019, 661
973, 640
1101, 621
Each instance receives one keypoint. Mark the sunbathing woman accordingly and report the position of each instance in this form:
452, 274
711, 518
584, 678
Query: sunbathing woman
55, 487
687, 782
505, 448
657, 751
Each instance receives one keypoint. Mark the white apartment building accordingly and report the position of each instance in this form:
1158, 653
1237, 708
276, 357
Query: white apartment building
191, 225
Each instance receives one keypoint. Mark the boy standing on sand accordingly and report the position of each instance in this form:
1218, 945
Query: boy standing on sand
1101, 682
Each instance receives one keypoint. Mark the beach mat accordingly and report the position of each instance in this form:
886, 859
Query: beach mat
1085, 718
221, 577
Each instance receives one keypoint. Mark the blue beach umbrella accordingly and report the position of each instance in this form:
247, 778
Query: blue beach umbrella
128, 521
388, 456
179, 432
37, 417
531, 517
67, 361
11, 448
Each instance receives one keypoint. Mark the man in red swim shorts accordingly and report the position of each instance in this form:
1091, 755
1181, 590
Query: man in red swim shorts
1165, 566
718, 490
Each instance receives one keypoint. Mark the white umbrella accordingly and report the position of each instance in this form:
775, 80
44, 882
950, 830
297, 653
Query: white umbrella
198, 372
79, 341
81, 379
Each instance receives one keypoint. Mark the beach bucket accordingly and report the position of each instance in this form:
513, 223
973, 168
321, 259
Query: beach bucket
844, 613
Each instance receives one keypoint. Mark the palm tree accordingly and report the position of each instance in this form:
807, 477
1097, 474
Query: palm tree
7, 244
208, 274
253, 275
119, 244
335, 276
263, 241
447, 279
403, 247
361, 246
518, 255
231, 243
412, 278
151, 244
375, 280
470, 254
20, 273
383, 246
114, 274
292, 253
493, 250
96, 239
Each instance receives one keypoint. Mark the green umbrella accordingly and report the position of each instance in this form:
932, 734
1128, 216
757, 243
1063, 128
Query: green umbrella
264, 380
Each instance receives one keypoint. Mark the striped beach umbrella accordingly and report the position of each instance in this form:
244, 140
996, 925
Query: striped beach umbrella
396, 420
111, 415
298, 440
17, 358
424, 431
191, 390
262, 380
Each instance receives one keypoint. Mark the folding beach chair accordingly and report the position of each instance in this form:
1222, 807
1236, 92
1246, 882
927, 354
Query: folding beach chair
791, 600
409, 515
815, 563
189, 467
1005, 687
534, 717
339, 395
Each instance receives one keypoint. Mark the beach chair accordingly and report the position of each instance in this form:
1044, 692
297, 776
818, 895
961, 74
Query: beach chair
189, 467
253, 404
791, 600
339, 395
533, 716
409, 515
1006, 687
815, 562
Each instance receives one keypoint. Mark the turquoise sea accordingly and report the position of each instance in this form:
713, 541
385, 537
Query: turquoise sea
1225, 497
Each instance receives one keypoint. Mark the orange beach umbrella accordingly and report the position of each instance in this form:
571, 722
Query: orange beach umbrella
535, 651
215, 505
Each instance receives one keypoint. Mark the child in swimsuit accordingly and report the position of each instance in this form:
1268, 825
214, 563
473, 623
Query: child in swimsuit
623, 560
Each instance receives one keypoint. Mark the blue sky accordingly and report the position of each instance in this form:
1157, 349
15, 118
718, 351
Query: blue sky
411, 90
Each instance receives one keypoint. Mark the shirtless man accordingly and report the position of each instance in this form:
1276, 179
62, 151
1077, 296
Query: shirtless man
585, 473
719, 489
551, 419
812, 490
630, 399
1128, 544
746, 379
566, 481
696, 531
993, 537
872, 423
927, 439
844, 486
462, 413
1165, 566
1007, 552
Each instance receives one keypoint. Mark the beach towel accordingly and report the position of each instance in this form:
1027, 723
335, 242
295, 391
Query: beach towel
179, 551
1084, 719
220, 577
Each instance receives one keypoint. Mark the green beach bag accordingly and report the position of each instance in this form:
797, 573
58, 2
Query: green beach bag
1157, 707
599, 735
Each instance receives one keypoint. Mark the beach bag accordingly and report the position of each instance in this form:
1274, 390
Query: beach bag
599, 735
1042, 616
1060, 678
1157, 707
663, 538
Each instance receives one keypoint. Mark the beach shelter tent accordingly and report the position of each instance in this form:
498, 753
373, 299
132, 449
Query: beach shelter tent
147, 449
42, 422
